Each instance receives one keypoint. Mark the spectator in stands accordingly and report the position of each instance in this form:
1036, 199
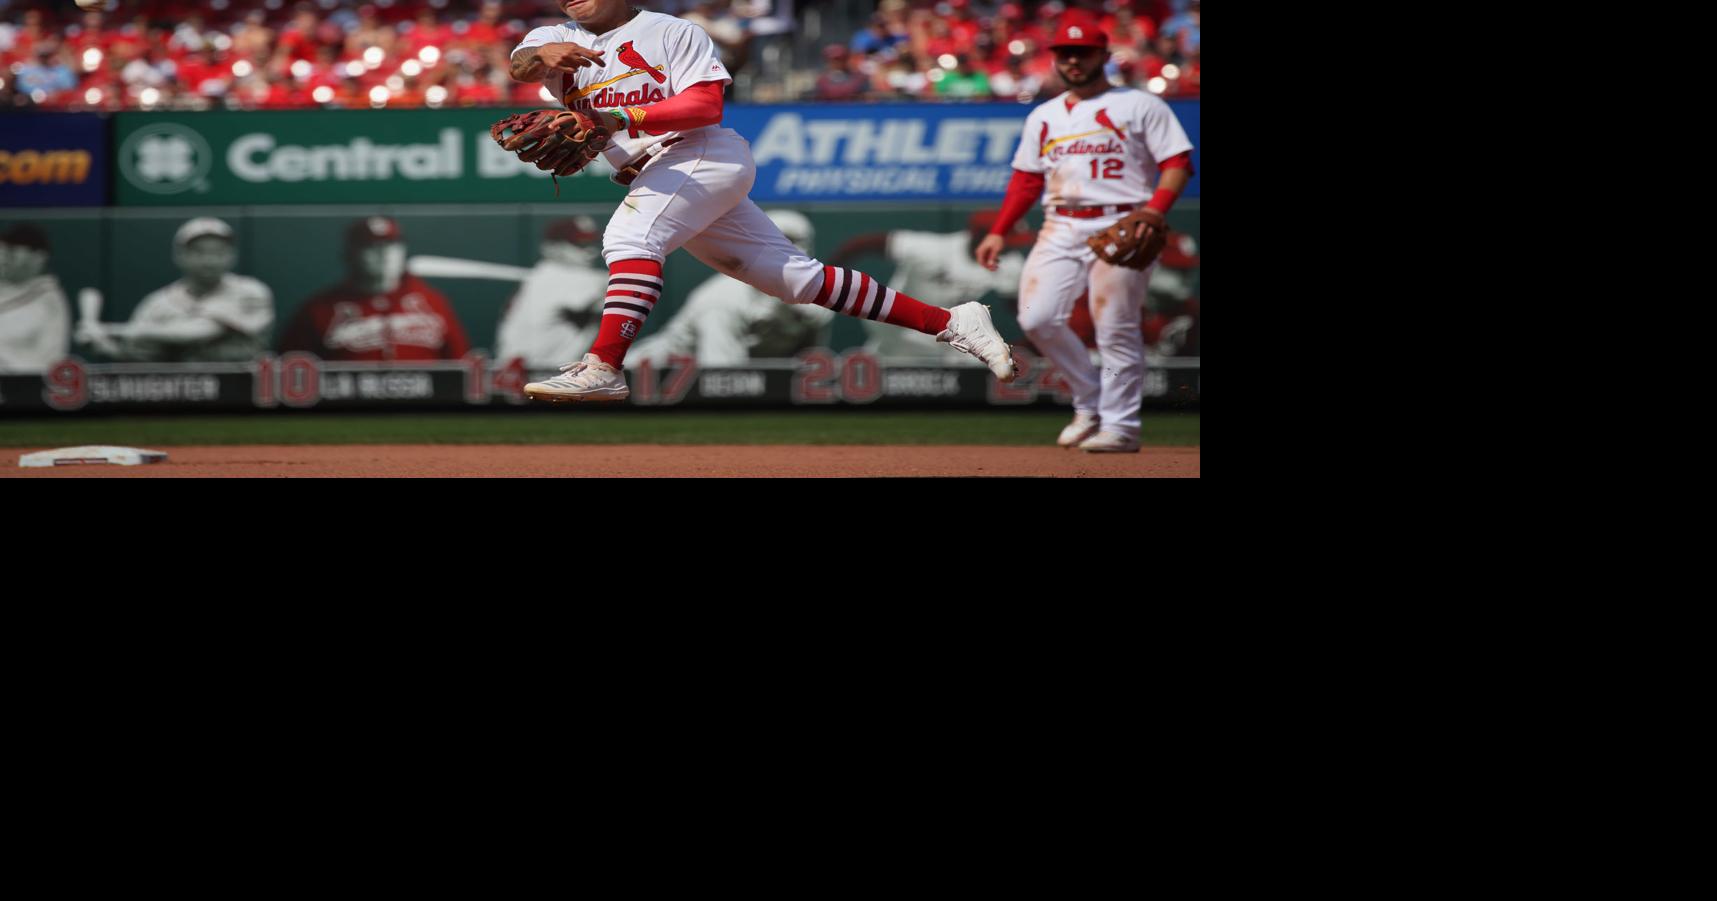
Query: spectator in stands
298, 41
50, 75
940, 40
1013, 82
484, 33
478, 83
897, 15
370, 32
189, 36
731, 39
199, 74
1184, 29
153, 70
1187, 84
286, 43
1125, 27
88, 35
963, 25
965, 82
253, 40
902, 79
428, 31
1164, 52
839, 81
878, 37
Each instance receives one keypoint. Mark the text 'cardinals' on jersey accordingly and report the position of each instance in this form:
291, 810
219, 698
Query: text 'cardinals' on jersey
647, 60
1100, 151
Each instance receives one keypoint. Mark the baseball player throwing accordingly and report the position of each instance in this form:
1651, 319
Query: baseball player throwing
1098, 149
654, 83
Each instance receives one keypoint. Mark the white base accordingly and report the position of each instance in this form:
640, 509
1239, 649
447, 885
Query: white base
92, 454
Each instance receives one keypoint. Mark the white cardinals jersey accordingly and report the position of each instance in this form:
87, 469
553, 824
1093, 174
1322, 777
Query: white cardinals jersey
1100, 151
647, 60
242, 306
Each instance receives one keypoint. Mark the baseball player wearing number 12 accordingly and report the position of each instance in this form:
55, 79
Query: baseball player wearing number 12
1092, 154
656, 82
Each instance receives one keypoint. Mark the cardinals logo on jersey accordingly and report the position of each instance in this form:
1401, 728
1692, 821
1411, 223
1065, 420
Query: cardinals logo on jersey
1103, 120
1043, 140
604, 97
631, 57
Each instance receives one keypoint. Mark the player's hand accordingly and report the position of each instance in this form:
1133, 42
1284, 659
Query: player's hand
989, 251
568, 57
1147, 219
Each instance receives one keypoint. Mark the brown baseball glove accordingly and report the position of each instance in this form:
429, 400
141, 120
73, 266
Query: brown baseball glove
556, 140
1134, 242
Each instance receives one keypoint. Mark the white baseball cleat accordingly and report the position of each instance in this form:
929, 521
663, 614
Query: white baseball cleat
1109, 443
1083, 426
589, 379
971, 331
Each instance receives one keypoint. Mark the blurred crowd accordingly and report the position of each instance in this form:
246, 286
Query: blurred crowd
278, 54
977, 50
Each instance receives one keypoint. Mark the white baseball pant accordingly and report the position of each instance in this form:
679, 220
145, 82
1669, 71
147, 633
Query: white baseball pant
1060, 268
695, 196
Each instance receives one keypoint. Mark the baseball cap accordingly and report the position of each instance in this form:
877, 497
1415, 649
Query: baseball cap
1079, 31
373, 230
201, 227
25, 235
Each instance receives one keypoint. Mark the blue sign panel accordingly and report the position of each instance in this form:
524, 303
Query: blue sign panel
53, 159
910, 151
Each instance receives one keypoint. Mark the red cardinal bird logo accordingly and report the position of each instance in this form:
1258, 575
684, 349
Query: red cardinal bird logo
636, 60
1043, 140
1103, 120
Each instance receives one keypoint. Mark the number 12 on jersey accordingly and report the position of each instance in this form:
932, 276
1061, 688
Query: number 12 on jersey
1111, 168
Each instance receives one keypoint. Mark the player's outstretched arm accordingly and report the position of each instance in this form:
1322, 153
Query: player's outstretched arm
532, 63
1175, 173
1023, 192
695, 107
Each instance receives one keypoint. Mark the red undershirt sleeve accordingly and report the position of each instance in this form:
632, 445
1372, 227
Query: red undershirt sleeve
1163, 199
1023, 192
695, 107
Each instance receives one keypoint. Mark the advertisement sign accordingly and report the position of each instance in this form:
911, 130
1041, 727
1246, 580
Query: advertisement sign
913, 152
53, 159
331, 156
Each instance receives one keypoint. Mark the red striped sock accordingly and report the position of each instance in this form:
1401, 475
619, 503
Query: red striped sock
634, 286
858, 295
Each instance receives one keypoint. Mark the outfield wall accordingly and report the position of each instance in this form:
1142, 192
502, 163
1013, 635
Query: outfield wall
888, 189
123, 255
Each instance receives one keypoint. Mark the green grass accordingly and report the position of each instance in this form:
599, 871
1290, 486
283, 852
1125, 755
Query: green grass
576, 426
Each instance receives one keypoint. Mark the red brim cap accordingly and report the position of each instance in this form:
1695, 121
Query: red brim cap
1080, 32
